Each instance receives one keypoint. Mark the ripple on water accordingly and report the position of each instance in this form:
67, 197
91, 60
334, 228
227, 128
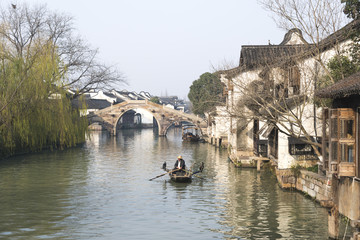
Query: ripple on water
101, 191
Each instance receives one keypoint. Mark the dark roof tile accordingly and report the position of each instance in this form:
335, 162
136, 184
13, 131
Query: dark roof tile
344, 88
91, 103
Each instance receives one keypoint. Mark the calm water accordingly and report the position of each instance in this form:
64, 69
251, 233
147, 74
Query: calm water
101, 191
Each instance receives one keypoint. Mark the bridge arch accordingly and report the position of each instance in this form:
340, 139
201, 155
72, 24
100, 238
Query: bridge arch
124, 112
173, 123
164, 116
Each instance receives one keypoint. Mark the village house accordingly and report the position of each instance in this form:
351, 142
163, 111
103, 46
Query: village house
341, 150
269, 107
261, 68
272, 116
174, 102
218, 127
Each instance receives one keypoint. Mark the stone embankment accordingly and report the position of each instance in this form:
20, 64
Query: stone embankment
312, 184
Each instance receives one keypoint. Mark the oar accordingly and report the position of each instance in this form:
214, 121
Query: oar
163, 174
198, 176
192, 174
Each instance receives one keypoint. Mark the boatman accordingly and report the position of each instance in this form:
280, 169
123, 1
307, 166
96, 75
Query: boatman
180, 163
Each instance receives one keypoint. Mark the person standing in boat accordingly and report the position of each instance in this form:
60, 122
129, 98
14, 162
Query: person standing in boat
180, 163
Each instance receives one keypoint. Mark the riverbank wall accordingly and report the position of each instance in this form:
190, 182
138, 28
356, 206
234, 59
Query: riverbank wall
312, 184
338, 194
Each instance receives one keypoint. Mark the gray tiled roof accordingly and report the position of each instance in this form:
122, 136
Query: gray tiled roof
91, 103
346, 87
267, 55
254, 56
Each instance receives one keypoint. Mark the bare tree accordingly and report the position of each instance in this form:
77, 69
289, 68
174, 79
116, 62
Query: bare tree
317, 19
225, 64
25, 30
275, 98
287, 76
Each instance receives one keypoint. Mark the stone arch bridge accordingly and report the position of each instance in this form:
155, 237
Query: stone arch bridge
164, 116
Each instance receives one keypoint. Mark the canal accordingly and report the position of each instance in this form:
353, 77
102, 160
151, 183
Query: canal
101, 190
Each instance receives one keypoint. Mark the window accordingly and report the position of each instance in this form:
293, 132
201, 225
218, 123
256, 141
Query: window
342, 142
347, 152
301, 149
298, 147
347, 128
294, 80
262, 148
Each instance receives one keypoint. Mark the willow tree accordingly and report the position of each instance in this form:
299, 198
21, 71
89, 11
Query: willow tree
41, 59
39, 114
22, 27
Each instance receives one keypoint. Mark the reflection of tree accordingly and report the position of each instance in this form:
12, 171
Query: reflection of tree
40, 188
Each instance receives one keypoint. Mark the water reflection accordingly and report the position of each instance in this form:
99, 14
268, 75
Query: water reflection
101, 191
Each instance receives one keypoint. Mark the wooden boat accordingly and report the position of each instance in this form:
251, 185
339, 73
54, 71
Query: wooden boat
181, 176
190, 133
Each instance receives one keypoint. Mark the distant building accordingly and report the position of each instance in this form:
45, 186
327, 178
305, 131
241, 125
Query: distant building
111, 98
175, 103
92, 105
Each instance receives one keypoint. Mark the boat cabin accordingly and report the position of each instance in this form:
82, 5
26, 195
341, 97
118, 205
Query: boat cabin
191, 133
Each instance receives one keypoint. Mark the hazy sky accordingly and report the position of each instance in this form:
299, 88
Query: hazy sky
162, 46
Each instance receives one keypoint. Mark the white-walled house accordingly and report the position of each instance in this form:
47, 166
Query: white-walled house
103, 96
143, 117
291, 72
218, 125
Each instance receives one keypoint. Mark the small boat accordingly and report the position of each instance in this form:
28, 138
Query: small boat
190, 133
181, 176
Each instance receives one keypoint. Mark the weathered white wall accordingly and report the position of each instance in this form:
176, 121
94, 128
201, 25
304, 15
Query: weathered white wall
222, 123
239, 82
309, 71
146, 116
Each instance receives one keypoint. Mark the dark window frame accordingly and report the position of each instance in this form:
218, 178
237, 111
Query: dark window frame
297, 146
